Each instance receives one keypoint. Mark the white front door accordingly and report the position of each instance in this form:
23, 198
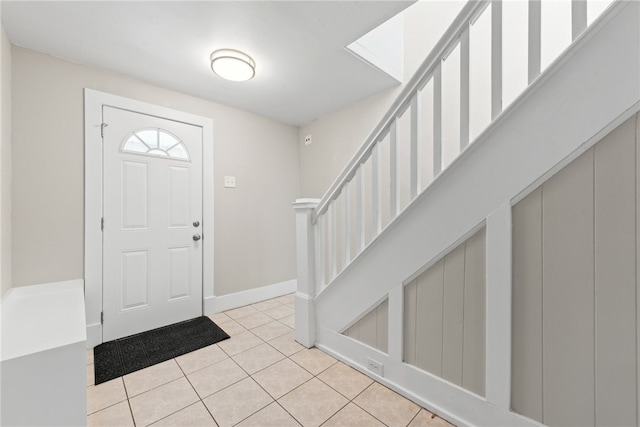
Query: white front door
152, 258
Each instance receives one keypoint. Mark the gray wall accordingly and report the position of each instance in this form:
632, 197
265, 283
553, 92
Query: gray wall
444, 316
373, 328
5, 163
254, 223
575, 288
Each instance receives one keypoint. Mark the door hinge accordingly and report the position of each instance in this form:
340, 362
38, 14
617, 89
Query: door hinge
102, 126
102, 317
101, 224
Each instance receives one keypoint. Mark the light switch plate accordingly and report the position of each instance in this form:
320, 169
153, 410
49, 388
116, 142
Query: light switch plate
230, 182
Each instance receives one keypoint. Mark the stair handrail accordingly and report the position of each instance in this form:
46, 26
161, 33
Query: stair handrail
444, 46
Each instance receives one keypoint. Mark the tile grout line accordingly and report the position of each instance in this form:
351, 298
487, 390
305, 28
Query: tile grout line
107, 407
197, 394
154, 388
289, 413
414, 417
312, 374
126, 393
334, 414
223, 388
274, 338
113, 404
365, 389
289, 392
307, 381
204, 367
285, 358
346, 397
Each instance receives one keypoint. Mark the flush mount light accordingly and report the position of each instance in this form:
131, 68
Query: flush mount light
233, 65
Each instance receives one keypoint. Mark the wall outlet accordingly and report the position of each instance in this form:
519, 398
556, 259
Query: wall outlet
375, 366
307, 140
230, 182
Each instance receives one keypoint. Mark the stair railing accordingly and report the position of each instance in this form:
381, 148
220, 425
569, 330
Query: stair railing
417, 140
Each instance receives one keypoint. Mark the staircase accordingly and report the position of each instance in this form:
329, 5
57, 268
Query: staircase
420, 220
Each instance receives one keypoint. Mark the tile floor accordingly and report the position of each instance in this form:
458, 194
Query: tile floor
258, 377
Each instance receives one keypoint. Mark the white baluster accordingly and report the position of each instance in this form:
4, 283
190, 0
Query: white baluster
414, 168
464, 89
496, 58
535, 22
437, 120
346, 229
394, 194
360, 236
376, 188
331, 244
320, 270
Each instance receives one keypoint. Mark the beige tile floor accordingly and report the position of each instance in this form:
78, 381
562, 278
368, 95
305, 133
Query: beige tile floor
258, 377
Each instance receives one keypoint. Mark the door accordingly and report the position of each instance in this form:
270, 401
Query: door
152, 252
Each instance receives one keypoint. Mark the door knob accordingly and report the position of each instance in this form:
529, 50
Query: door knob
196, 237
196, 223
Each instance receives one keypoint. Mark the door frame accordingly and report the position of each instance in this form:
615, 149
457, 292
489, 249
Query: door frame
93, 198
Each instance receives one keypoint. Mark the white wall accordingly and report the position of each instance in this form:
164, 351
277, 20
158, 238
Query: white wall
254, 223
5, 162
337, 136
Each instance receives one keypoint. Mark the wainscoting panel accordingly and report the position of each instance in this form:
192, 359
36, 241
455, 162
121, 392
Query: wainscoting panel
526, 362
615, 274
474, 338
574, 290
430, 294
444, 316
567, 296
372, 329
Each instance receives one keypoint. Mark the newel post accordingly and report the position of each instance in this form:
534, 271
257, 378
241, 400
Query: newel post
305, 314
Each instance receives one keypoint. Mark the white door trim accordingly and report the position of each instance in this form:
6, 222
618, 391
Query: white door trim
93, 209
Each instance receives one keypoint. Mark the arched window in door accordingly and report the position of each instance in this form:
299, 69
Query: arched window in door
156, 143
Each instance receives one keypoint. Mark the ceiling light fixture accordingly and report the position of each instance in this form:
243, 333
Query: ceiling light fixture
233, 65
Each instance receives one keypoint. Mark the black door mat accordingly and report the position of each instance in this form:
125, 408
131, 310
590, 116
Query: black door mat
116, 358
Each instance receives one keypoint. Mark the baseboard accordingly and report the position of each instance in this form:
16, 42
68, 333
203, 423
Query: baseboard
392, 385
215, 304
94, 335
449, 401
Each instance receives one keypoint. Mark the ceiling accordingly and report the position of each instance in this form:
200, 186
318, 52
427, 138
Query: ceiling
303, 69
